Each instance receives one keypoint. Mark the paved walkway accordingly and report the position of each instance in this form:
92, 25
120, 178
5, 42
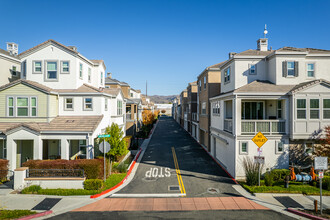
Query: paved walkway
171, 204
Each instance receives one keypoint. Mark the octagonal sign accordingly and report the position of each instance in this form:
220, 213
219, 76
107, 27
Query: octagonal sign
259, 139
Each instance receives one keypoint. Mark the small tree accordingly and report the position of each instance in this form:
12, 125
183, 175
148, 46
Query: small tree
147, 117
323, 148
116, 141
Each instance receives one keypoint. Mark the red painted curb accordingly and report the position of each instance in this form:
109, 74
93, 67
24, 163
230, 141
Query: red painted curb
36, 215
303, 214
121, 182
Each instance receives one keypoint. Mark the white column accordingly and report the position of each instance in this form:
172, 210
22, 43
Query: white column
64, 149
37, 148
11, 152
287, 115
238, 112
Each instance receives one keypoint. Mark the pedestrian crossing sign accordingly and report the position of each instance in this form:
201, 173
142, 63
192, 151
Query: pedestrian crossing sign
259, 139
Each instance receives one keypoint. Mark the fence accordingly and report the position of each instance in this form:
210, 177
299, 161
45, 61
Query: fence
54, 173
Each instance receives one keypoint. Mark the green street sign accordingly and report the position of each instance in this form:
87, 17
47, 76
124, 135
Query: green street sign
104, 136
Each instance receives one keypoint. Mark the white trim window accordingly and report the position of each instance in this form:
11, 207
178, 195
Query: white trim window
22, 106
227, 75
51, 70
279, 109
326, 108
89, 74
37, 66
14, 71
33, 106
279, 147
101, 78
290, 68
65, 66
10, 106
310, 70
204, 82
106, 104
119, 107
314, 106
68, 104
88, 104
80, 70
203, 108
301, 108
244, 147
252, 69
216, 108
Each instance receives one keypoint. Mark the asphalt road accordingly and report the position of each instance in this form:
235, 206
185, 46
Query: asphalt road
170, 148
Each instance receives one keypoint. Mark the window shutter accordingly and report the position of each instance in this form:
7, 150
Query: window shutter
284, 68
296, 69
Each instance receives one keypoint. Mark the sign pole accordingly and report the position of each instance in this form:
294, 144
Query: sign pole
104, 159
321, 194
259, 174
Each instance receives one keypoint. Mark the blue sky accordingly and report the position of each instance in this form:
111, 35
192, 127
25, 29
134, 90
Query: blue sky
167, 42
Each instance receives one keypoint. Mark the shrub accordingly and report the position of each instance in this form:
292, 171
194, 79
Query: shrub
251, 170
269, 179
93, 184
325, 183
93, 168
31, 189
280, 174
3, 169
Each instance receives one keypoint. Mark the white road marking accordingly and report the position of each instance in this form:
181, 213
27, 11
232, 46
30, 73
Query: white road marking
157, 195
158, 172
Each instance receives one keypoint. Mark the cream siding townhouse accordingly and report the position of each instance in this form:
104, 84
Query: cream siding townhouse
284, 93
58, 107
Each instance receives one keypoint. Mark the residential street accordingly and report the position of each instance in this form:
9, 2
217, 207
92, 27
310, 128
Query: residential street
209, 191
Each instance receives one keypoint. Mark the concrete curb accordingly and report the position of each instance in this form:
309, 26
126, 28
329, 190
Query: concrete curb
303, 214
38, 215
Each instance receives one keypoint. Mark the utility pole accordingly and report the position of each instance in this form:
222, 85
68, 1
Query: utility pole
146, 88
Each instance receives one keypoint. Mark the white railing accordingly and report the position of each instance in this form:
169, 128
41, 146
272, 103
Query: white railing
265, 126
228, 125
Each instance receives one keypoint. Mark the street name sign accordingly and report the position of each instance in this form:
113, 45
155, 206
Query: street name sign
104, 136
321, 163
259, 159
259, 139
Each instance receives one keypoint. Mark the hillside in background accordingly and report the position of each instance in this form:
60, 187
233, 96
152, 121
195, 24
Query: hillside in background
159, 99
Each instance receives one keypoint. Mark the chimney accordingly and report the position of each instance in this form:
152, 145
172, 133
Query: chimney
12, 48
262, 44
231, 55
109, 75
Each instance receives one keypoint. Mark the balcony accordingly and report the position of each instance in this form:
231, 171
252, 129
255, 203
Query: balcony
252, 127
228, 125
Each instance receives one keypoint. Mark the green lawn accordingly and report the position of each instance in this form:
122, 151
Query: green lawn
113, 180
294, 187
13, 214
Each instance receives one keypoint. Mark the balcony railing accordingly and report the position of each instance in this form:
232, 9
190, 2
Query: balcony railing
228, 125
250, 127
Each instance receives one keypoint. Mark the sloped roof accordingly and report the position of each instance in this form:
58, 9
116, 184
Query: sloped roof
5, 52
260, 86
60, 123
251, 52
217, 65
115, 81
112, 91
85, 88
28, 83
304, 85
309, 50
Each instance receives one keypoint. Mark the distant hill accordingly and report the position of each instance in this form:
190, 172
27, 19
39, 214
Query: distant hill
160, 99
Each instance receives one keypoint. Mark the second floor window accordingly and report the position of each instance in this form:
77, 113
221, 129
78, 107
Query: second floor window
290, 69
314, 106
131, 95
279, 109
326, 108
22, 106
119, 107
89, 74
203, 108
88, 104
101, 77
37, 67
253, 69
51, 70
310, 70
106, 104
65, 67
227, 75
204, 82
200, 85
68, 103
80, 70
301, 108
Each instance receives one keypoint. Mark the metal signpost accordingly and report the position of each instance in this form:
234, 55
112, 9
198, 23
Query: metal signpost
103, 147
259, 140
321, 164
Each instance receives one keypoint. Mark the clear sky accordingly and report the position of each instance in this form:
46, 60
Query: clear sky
167, 42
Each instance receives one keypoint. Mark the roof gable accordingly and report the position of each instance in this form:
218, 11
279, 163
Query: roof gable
28, 83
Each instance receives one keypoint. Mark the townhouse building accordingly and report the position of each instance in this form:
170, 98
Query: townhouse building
57, 107
283, 93
10, 64
192, 108
133, 108
183, 109
208, 86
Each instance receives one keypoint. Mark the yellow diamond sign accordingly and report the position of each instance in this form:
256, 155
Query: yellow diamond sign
259, 139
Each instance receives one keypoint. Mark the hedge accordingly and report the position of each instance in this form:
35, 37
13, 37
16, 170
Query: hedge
280, 174
93, 168
3, 169
93, 184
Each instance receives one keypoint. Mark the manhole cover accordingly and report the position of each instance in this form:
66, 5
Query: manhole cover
213, 191
173, 188
149, 179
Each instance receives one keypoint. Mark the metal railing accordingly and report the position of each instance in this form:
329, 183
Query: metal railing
55, 173
228, 125
265, 126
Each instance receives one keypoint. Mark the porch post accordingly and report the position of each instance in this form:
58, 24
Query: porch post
64, 149
287, 115
37, 148
11, 153
237, 116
